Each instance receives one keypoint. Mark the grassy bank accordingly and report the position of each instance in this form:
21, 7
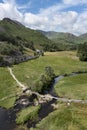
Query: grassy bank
30, 113
73, 87
7, 87
71, 117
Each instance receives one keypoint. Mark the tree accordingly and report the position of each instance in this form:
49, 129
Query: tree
82, 52
45, 80
49, 71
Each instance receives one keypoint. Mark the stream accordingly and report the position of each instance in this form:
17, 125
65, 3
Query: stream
8, 116
51, 90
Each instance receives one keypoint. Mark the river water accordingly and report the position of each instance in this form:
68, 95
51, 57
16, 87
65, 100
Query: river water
7, 117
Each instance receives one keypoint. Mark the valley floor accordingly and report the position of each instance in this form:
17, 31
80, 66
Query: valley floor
65, 117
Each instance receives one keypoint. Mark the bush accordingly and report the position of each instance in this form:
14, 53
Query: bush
38, 86
82, 52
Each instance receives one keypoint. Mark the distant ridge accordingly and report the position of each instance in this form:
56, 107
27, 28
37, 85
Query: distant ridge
62, 37
83, 36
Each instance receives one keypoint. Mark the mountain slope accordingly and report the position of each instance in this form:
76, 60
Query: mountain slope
18, 43
14, 28
62, 37
83, 37
66, 38
64, 41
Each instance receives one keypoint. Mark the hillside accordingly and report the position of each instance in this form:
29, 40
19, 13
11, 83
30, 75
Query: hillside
67, 38
62, 37
18, 43
65, 41
83, 37
14, 28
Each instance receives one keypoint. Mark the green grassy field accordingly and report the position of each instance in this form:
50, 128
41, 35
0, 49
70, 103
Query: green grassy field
7, 87
73, 87
73, 117
64, 118
61, 62
29, 72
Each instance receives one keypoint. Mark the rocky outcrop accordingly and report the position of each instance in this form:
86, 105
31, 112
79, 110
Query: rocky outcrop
11, 60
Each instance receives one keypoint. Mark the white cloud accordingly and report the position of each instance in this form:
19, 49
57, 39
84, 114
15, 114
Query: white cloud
53, 18
80, 26
8, 9
35, 21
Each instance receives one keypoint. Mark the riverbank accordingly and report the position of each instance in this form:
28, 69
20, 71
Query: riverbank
47, 105
63, 63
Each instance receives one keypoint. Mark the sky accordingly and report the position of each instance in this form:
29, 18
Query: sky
48, 15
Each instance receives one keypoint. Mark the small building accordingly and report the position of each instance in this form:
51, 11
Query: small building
39, 52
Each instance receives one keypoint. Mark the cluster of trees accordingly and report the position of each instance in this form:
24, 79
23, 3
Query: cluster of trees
9, 49
82, 52
17, 41
53, 47
14, 48
2, 62
50, 47
45, 80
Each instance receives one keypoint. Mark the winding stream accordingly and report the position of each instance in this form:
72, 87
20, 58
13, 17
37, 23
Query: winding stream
51, 91
7, 117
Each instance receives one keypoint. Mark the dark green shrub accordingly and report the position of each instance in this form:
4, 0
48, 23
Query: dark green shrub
45, 80
82, 52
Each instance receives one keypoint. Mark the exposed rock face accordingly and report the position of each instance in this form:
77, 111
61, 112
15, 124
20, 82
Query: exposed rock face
9, 60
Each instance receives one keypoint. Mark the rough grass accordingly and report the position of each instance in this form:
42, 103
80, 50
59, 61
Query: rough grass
73, 87
61, 62
26, 114
72, 117
29, 72
7, 103
7, 87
